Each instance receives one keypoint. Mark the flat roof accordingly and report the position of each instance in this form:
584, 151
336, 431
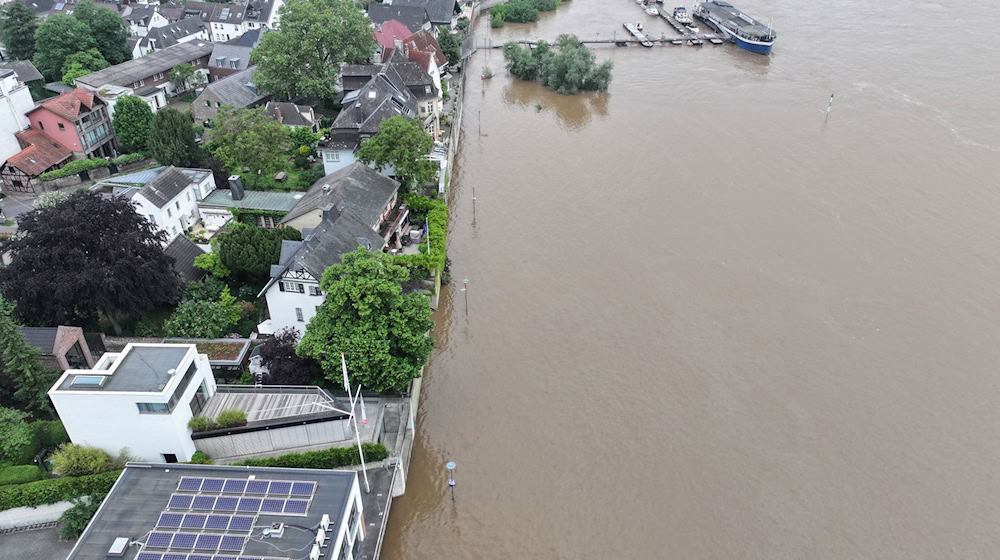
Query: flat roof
132, 509
131, 71
280, 201
141, 368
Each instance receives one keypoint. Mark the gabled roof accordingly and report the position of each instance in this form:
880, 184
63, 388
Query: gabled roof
25, 70
247, 39
259, 10
171, 34
236, 89
290, 114
215, 12
388, 31
140, 14
166, 185
384, 96
423, 41
183, 251
69, 105
225, 53
126, 73
411, 73
439, 11
338, 233
42, 338
412, 17
42, 152
357, 187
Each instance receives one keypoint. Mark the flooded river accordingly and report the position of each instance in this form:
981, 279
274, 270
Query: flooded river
705, 320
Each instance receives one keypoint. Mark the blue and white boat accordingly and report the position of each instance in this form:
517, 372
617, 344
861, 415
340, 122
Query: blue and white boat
740, 28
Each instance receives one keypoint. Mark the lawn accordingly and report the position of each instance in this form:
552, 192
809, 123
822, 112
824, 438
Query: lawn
297, 180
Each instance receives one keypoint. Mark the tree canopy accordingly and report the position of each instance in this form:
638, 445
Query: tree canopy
196, 318
171, 139
249, 139
567, 66
450, 46
303, 56
56, 38
131, 122
80, 64
84, 257
382, 333
284, 366
249, 251
108, 29
403, 144
18, 23
21, 369
181, 75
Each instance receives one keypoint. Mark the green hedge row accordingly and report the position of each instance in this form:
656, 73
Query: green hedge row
20, 474
74, 167
55, 490
437, 225
129, 158
322, 459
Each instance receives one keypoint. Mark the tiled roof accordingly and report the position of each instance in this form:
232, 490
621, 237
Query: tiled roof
25, 70
425, 42
216, 12
126, 73
183, 251
386, 32
357, 187
42, 153
225, 53
290, 114
169, 35
439, 11
235, 89
384, 96
68, 105
168, 184
339, 232
412, 17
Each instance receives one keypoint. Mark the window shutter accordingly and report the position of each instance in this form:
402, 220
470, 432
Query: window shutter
281, 286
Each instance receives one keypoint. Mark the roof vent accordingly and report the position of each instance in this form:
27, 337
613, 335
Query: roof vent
118, 547
326, 187
171, 371
314, 553
325, 522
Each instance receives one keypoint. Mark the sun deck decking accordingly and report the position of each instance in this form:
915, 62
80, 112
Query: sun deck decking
265, 404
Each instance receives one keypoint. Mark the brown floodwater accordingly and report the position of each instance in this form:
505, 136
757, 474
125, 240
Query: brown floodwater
705, 319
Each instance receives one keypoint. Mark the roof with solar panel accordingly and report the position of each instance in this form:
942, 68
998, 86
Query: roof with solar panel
210, 512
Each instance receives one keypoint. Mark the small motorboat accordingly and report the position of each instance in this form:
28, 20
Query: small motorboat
651, 10
682, 16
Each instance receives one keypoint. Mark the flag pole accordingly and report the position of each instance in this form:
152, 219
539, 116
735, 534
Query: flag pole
357, 432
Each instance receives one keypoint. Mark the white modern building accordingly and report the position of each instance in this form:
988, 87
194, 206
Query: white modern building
141, 398
15, 102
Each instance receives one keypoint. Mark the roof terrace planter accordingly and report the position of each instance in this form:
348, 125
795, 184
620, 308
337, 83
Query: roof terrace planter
222, 352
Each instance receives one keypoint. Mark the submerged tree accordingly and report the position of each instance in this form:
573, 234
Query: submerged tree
567, 66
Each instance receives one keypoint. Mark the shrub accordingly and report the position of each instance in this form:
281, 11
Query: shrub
79, 460
75, 519
129, 158
331, 458
18, 439
231, 417
200, 458
51, 433
73, 167
200, 423
20, 474
55, 490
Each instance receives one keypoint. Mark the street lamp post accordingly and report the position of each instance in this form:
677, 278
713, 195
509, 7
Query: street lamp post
465, 282
451, 477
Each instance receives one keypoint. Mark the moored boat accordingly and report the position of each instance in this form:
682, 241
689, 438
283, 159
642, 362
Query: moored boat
682, 16
737, 26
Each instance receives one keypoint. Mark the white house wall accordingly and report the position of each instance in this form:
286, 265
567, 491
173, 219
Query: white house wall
14, 103
282, 305
334, 160
175, 216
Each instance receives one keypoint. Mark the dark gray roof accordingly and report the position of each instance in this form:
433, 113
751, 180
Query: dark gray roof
357, 187
236, 89
140, 14
259, 10
172, 11
413, 17
281, 201
25, 70
411, 72
290, 114
384, 96
141, 493
216, 12
439, 11
248, 39
183, 251
43, 338
338, 233
225, 53
169, 35
126, 73
165, 186
145, 369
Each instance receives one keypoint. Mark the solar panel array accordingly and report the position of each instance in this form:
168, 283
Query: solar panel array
212, 518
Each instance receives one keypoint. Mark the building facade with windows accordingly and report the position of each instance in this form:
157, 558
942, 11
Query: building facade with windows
80, 121
146, 395
15, 103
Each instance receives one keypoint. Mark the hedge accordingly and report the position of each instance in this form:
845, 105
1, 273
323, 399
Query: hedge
51, 433
73, 167
323, 459
55, 490
20, 474
129, 158
437, 224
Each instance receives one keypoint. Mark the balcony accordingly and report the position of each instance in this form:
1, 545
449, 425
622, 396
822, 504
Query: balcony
395, 222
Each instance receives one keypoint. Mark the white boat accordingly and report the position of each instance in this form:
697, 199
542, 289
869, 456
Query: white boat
693, 28
652, 11
682, 16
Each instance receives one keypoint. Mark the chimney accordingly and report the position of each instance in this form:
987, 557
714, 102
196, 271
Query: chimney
236, 187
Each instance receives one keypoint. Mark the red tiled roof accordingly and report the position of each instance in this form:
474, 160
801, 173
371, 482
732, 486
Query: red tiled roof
423, 41
67, 105
42, 152
388, 31
421, 58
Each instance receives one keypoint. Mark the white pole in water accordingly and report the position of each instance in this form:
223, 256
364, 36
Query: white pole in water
473, 204
451, 477
829, 105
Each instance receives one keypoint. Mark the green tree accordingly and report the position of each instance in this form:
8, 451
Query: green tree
79, 460
249, 139
303, 56
204, 319
30, 380
131, 122
382, 333
18, 23
108, 29
212, 263
403, 144
249, 251
567, 66
18, 438
80, 64
450, 46
171, 139
56, 38
180, 75
74, 520
302, 136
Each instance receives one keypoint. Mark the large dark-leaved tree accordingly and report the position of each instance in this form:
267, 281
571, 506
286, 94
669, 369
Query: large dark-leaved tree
284, 366
108, 29
171, 139
85, 258
381, 331
249, 251
58, 37
131, 123
17, 30
249, 139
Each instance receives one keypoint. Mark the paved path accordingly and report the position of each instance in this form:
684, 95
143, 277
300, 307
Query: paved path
38, 544
26, 516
